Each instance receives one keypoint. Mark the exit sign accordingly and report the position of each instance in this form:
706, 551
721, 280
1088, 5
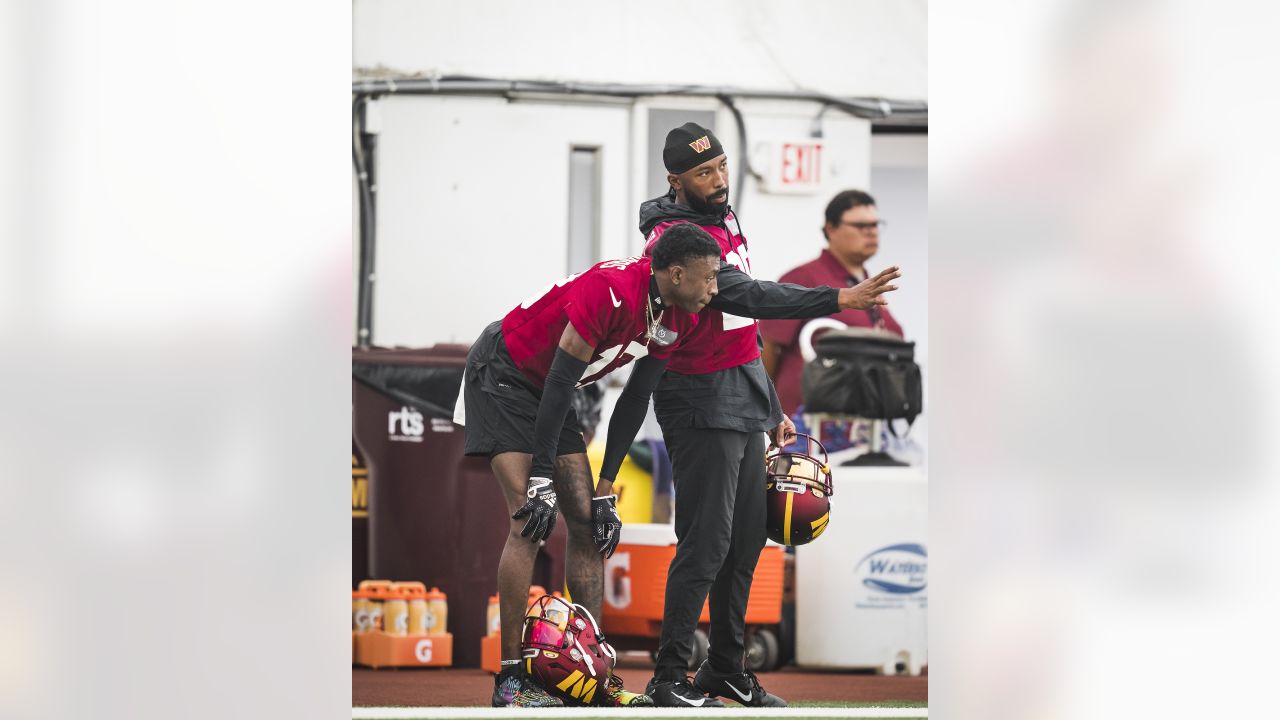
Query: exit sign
794, 166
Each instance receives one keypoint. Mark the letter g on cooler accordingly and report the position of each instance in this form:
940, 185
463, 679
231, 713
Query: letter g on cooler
422, 651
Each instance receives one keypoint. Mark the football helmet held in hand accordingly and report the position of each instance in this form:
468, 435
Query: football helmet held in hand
798, 493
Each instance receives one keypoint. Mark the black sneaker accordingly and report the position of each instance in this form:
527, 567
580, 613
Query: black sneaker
678, 693
742, 687
520, 690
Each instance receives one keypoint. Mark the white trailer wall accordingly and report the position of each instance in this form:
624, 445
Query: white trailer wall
473, 208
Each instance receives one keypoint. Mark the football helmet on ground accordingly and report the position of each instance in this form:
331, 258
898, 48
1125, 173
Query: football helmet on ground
565, 651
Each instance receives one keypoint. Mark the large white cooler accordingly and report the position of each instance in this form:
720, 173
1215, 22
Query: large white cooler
862, 587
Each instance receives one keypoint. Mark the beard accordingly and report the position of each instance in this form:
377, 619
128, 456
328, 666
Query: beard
707, 206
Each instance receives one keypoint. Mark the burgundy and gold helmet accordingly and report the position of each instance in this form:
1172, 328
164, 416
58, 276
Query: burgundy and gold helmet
565, 651
798, 493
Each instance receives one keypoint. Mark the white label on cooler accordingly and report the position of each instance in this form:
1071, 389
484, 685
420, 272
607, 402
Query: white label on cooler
617, 586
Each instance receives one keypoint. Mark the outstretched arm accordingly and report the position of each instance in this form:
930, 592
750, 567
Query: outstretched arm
740, 294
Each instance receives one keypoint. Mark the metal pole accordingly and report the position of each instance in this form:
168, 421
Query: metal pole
364, 152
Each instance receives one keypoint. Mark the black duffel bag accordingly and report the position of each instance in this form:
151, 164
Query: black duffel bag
863, 372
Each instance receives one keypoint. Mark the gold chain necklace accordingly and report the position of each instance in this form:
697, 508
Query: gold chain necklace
656, 332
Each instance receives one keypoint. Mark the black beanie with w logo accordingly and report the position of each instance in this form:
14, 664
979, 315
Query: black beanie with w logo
688, 146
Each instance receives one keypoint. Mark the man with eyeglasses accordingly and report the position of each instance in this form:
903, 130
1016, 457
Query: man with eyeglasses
852, 230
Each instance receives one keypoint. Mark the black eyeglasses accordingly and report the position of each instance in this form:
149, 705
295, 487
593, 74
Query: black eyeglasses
865, 226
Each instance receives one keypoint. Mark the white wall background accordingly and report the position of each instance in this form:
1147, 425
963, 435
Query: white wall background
900, 185
844, 47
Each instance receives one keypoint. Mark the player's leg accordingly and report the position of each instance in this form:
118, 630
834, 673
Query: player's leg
705, 465
723, 673
497, 410
732, 586
584, 566
515, 568
515, 574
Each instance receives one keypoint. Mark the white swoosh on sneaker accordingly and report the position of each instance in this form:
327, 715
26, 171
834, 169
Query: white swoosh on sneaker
616, 301
745, 698
695, 704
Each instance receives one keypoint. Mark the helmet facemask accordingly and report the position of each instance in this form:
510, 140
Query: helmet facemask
793, 471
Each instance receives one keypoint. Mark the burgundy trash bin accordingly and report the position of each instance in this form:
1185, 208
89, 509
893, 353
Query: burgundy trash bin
433, 515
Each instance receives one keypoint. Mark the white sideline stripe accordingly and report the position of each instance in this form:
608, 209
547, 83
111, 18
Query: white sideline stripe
431, 713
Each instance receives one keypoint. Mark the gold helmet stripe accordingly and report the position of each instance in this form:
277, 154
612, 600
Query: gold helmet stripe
786, 518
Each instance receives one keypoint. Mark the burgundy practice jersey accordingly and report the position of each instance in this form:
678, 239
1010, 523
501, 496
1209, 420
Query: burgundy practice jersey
724, 340
606, 306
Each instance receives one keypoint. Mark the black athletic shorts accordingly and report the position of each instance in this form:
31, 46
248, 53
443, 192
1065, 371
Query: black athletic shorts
497, 405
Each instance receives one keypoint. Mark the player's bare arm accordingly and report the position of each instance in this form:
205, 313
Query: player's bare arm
574, 344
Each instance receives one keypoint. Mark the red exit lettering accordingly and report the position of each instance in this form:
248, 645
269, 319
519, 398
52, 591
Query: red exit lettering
801, 163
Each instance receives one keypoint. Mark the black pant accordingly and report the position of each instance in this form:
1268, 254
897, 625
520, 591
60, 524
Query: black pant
720, 518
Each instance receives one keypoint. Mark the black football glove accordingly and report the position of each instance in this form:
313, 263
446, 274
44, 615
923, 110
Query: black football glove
540, 509
606, 528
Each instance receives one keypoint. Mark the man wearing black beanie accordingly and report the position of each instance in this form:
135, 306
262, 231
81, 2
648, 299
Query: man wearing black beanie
715, 403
